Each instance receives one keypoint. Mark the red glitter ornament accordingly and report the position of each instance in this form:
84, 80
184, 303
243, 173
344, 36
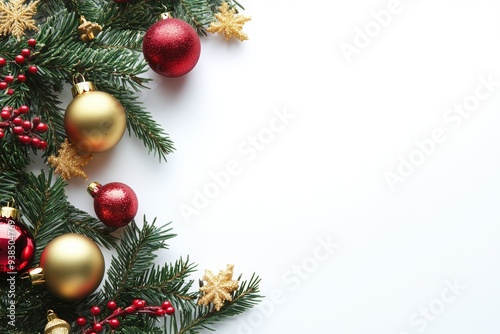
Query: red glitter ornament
17, 245
171, 47
115, 203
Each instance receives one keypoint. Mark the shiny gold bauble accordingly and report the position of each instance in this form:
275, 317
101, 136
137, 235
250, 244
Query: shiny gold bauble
73, 266
95, 121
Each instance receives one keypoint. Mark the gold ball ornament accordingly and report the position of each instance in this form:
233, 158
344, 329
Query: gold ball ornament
71, 266
94, 121
56, 325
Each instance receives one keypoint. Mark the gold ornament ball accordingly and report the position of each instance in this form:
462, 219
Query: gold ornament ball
95, 121
73, 266
56, 325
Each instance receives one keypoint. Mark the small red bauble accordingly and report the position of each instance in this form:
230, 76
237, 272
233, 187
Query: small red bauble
171, 47
115, 203
17, 245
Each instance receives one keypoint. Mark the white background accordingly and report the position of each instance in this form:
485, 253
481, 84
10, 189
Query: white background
321, 179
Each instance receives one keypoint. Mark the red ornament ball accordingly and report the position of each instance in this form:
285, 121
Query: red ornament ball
17, 245
171, 47
115, 203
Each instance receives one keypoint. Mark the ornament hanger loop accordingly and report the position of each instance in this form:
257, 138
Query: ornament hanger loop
77, 78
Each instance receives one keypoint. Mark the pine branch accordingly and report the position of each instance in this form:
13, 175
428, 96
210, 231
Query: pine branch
135, 255
168, 282
142, 123
203, 317
81, 222
43, 205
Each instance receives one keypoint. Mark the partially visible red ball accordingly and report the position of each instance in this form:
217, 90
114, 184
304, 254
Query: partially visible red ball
171, 47
17, 247
115, 203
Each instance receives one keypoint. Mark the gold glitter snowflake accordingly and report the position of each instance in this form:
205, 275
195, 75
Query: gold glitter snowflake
229, 24
69, 161
218, 288
15, 17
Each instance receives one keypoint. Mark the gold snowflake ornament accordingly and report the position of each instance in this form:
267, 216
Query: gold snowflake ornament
69, 163
15, 17
218, 289
229, 24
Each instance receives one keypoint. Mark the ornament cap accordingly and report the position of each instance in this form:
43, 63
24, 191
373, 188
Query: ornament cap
81, 85
10, 212
166, 15
36, 276
93, 188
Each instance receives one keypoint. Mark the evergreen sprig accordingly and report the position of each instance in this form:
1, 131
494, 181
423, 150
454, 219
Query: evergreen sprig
114, 62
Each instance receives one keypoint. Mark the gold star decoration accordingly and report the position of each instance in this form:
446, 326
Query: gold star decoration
69, 161
15, 17
88, 30
218, 288
229, 24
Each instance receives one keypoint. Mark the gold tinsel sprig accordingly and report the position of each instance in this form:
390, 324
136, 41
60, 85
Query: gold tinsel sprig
69, 161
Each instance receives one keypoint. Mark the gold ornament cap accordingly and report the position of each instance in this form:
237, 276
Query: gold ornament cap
36, 276
10, 212
81, 85
93, 188
56, 325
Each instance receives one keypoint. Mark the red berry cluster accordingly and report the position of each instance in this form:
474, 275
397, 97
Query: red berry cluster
137, 306
24, 130
20, 59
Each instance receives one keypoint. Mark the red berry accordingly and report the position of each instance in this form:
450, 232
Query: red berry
36, 121
139, 303
114, 323
97, 327
20, 59
42, 145
2, 134
95, 310
32, 42
3, 62
9, 78
160, 312
111, 303
170, 310
130, 309
27, 125
23, 109
10, 91
17, 130
165, 305
21, 78
42, 127
35, 142
81, 321
3, 85
32, 69
5, 114
26, 53
17, 121
25, 140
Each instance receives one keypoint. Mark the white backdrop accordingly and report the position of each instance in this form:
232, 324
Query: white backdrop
347, 153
